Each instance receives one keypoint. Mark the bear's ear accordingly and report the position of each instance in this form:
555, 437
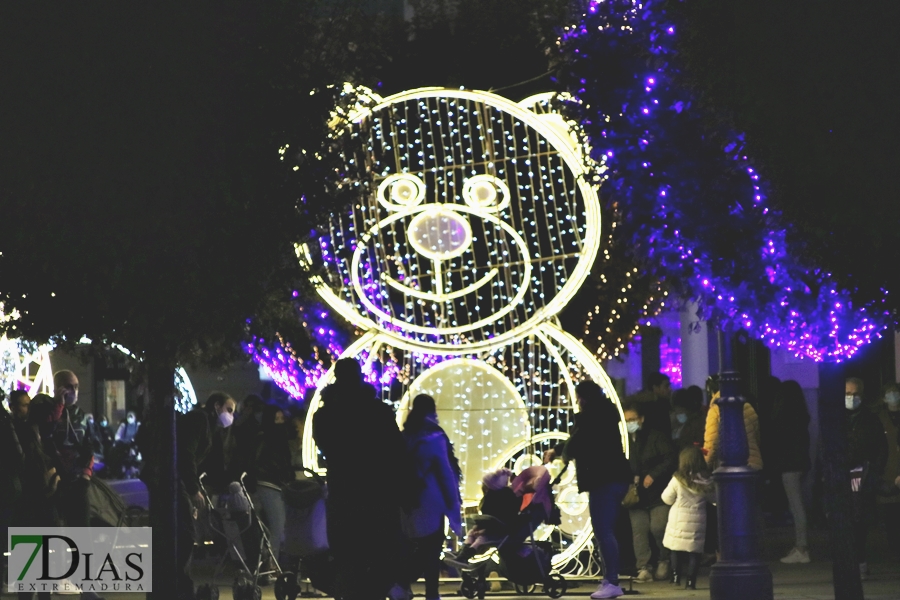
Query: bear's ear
354, 101
544, 105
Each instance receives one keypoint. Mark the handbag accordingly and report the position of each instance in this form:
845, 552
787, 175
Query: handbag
631, 496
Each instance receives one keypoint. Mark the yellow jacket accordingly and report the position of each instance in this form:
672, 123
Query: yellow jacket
711, 436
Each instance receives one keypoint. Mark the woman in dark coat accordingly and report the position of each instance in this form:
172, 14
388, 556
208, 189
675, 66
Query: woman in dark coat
437, 471
267, 459
595, 445
791, 458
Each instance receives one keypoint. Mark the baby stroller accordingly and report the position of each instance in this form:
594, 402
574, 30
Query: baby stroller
306, 534
516, 555
245, 585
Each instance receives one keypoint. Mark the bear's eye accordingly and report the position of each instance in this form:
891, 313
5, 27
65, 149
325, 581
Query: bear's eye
400, 191
486, 192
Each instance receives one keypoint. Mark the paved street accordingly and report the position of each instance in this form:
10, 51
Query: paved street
792, 582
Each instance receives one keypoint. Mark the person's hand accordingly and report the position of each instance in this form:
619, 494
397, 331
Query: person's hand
197, 500
51, 480
897, 481
549, 455
648, 481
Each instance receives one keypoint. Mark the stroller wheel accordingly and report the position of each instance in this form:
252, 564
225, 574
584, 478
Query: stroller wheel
207, 591
481, 586
525, 589
286, 587
245, 588
555, 585
469, 586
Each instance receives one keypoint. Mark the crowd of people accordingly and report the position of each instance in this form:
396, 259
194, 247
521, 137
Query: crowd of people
663, 492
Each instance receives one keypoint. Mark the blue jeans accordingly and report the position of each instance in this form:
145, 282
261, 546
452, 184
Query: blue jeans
269, 504
604, 503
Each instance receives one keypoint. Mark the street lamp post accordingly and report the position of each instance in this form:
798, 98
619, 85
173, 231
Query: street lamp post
740, 574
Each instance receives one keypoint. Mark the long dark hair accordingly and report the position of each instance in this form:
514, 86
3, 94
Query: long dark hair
791, 404
594, 401
423, 406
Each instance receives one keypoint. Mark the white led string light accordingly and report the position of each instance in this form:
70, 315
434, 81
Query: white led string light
478, 226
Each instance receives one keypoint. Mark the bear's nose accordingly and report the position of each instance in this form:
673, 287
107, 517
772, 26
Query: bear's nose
439, 233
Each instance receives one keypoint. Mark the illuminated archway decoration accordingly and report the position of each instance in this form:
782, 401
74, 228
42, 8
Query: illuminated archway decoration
25, 367
478, 225
185, 397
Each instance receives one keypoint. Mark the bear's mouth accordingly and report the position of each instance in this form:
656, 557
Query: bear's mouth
439, 296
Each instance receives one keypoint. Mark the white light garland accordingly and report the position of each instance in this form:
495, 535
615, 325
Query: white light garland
478, 227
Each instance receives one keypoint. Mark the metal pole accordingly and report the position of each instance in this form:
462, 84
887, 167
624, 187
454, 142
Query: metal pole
740, 574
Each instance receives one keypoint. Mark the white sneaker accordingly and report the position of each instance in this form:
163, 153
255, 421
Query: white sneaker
644, 575
607, 590
796, 556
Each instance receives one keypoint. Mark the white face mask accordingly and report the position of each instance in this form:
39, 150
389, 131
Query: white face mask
130, 420
681, 418
632, 426
892, 399
852, 402
226, 418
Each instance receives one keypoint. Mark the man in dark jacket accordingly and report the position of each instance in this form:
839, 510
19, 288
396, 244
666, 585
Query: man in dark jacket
867, 450
653, 461
73, 452
363, 501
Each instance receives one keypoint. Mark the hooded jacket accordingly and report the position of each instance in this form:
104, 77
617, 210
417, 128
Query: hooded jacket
686, 527
431, 453
595, 445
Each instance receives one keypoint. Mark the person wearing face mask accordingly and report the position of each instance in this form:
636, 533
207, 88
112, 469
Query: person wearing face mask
92, 431
688, 421
202, 445
867, 452
653, 461
73, 451
107, 437
889, 497
267, 461
127, 429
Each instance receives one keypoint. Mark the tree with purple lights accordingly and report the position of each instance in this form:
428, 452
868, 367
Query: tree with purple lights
693, 207
695, 211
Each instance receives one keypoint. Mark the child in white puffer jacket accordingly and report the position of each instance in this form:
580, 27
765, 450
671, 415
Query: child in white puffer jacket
688, 492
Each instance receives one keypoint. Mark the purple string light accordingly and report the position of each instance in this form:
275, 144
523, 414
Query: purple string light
769, 293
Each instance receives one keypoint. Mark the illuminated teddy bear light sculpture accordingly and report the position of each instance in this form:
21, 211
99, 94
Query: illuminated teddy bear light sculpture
476, 225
